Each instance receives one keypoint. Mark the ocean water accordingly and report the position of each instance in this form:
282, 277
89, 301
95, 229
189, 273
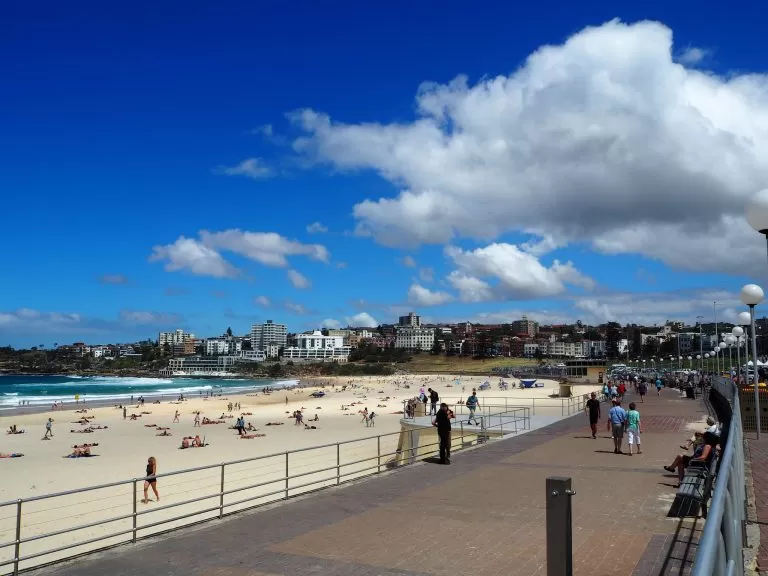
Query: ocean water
45, 390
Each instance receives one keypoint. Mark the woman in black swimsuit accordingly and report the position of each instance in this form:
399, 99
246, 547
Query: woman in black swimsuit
150, 480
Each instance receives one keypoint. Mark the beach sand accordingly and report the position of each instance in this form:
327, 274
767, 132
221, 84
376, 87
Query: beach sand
125, 446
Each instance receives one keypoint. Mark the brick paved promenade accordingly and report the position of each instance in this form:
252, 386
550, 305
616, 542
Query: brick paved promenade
484, 514
757, 455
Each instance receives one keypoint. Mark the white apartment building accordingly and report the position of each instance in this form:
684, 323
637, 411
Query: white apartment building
269, 333
199, 366
412, 338
252, 356
525, 326
174, 338
222, 346
317, 347
530, 348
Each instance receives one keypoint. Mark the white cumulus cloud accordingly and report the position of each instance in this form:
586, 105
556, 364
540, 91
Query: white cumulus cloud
409, 262
330, 323
262, 301
253, 168
317, 228
605, 139
189, 254
361, 320
298, 280
418, 295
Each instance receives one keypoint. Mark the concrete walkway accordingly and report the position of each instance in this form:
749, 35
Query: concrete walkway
484, 514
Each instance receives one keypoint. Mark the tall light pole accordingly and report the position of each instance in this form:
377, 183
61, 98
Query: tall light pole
729, 340
701, 345
717, 338
752, 295
738, 332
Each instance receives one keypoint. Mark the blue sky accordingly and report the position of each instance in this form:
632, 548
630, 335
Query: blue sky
596, 179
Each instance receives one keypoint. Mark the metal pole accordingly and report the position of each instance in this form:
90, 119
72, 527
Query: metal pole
559, 526
221, 494
730, 362
135, 512
338, 463
286, 474
701, 348
717, 337
17, 543
754, 365
378, 448
738, 361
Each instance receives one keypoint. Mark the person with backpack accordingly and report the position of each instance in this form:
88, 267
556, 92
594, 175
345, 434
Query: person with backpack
642, 389
472, 404
433, 398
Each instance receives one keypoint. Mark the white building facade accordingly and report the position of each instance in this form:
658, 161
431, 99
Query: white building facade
412, 338
269, 336
317, 347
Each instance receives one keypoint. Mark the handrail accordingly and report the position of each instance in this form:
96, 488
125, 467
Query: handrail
319, 474
720, 549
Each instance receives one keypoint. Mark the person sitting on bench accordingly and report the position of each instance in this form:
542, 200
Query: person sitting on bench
703, 454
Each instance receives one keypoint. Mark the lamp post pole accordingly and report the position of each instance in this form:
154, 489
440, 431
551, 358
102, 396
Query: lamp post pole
717, 339
754, 366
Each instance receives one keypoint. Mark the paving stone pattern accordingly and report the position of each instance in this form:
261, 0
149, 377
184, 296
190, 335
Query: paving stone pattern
485, 515
758, 457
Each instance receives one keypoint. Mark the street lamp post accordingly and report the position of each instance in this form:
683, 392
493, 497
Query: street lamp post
714, 308
729, 340
701, 345
738, 332
752, 295
706, 357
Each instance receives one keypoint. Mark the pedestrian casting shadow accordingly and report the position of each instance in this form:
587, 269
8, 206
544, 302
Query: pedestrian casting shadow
611, 452
432, 460
583, 437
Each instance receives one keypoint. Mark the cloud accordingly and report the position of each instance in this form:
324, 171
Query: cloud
262, 301
193, 256
264, 130
518, 274
409, 262
426, 274
361, 320
341, 264
298, 280
296, 308
330, 323
117, 279
148, 318
420, 296
202, 257
602, 140
253, 168
317, 228
692, 55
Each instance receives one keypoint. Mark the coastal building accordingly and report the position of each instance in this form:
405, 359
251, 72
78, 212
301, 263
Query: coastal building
200, 366
525, 326
269, 334
174, 338
223, 345
412, 320
415, 338
252, 356
317, 347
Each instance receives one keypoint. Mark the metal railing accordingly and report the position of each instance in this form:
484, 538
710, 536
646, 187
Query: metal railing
720, 548
41, 530
566, 406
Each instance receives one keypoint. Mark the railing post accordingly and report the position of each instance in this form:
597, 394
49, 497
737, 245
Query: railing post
135, 511
338, 463
461, 424
17, 543
378, 450
286, 475
534, 406
559, 528
221, 493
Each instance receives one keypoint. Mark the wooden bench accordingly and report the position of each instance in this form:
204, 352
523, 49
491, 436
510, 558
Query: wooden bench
694, 491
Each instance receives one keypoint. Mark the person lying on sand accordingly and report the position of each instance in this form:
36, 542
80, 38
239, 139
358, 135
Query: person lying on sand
150, 425
247, 414
11, 455
250, 436
80, 453
83, 411
14, 430
135, 416
85, 445
206, 421
195, 442
250, 427
83, 431
275, 423
164, 433
308, 427
146, 412
83, 420
162, 428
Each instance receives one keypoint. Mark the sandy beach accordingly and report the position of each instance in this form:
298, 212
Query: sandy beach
125, 445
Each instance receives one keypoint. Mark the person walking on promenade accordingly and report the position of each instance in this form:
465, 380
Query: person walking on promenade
151, 480
642, 389
618, 418
48, 429
592, 408
442, 422
433, 398
634, 428
472, 404
659, 386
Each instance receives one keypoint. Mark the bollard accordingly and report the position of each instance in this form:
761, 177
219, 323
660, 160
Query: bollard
559, 528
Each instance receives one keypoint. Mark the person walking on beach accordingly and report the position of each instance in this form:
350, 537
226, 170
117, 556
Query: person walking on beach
48, 429
472, 404
125, 412
618, 418
176, 417
443, 424
634, 428
151, 480
197, 420
592, 408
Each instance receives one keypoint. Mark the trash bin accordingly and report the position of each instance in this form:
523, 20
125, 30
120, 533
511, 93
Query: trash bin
565, 390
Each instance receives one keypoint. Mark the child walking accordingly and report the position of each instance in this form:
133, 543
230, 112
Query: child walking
634, 428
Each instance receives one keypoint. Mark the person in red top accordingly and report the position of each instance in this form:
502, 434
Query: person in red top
621, 389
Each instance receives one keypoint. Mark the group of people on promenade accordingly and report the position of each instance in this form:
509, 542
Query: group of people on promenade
620, 421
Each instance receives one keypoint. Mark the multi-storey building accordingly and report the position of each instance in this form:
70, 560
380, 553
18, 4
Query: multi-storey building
315, 346
525, 326
412, 320
223, 345
175, 338
415, 338
269, 333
